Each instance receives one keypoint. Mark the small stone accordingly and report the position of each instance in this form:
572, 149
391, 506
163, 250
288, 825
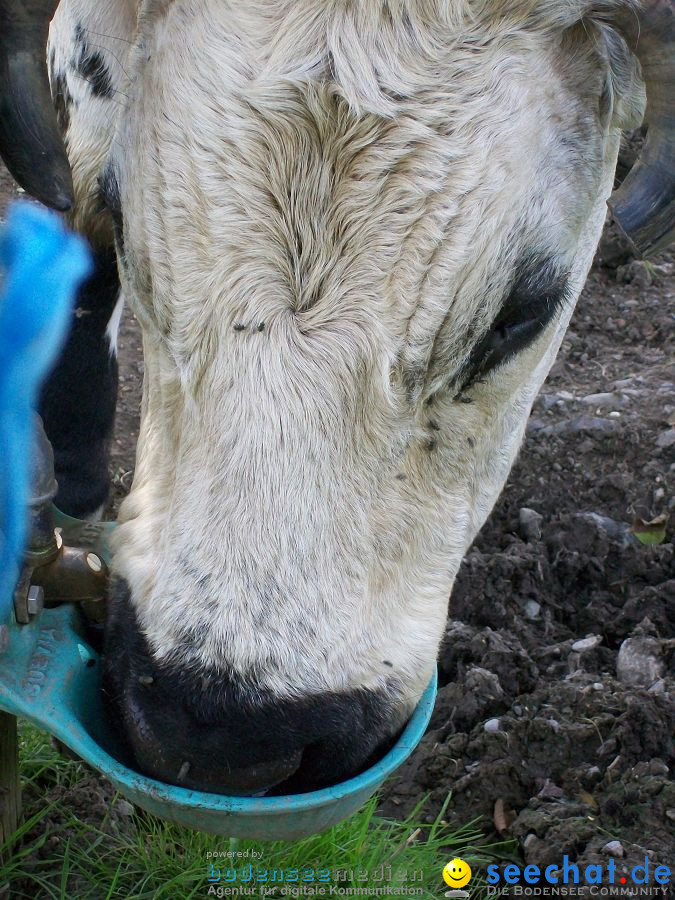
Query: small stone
550, 791
529, 524
547, 401
617, 531
658, 767
529, 840
588, 424
614, 848
602, 400
554, 724
124, 808
587, 643
666, 439
492, 726
636, 273
670, 814
535, 425
639, 661
532, 609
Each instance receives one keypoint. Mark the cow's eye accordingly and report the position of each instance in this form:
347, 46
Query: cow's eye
535, 299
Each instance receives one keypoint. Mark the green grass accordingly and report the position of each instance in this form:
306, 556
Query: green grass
57, 855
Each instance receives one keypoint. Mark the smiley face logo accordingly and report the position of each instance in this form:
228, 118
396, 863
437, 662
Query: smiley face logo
457, 873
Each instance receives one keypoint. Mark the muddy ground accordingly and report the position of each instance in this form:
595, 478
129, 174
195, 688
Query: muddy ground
555, 720
556, 716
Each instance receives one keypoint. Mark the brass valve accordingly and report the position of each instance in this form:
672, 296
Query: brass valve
62, 564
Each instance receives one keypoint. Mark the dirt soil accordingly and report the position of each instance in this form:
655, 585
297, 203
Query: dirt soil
555, 719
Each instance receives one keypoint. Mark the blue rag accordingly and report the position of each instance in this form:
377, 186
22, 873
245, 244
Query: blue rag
43, 265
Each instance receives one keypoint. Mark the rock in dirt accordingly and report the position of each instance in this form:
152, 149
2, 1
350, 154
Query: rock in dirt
640, 661
609, 528
550, 791
587, 643
475, 693
610, 400
582, 424
637, 272
529, 524
666, 439
532, 609
614, 848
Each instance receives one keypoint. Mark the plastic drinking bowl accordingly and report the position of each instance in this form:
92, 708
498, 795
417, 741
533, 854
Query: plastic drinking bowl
51, 675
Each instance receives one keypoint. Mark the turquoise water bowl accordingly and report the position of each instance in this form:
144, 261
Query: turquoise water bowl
51, 676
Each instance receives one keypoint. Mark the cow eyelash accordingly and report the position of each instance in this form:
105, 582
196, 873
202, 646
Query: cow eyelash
504, 341
528, 310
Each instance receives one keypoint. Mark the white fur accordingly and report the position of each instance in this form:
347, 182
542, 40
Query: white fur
113, 327
362, 178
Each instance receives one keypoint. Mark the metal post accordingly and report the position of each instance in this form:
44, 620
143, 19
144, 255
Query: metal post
10, 786
43, 488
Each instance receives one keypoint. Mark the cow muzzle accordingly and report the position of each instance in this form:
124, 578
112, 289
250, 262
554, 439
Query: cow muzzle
221, 732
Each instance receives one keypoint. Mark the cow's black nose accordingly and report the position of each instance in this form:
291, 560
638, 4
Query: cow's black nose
170, 745
218, 732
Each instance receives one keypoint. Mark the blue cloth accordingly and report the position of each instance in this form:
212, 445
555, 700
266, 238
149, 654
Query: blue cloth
42, 264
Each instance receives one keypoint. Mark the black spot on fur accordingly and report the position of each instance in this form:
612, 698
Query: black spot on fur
90, 64
62, 100
239, 326
109, 190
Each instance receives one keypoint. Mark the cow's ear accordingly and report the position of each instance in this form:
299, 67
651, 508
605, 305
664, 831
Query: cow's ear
644, 205
623, 102
30, 142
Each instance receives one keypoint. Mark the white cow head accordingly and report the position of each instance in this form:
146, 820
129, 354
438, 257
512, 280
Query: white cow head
354, 234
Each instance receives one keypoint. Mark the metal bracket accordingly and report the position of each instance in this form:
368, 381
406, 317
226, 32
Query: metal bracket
66, 558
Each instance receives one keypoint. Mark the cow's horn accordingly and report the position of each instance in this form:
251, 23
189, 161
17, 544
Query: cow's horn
644, 205
30, 142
